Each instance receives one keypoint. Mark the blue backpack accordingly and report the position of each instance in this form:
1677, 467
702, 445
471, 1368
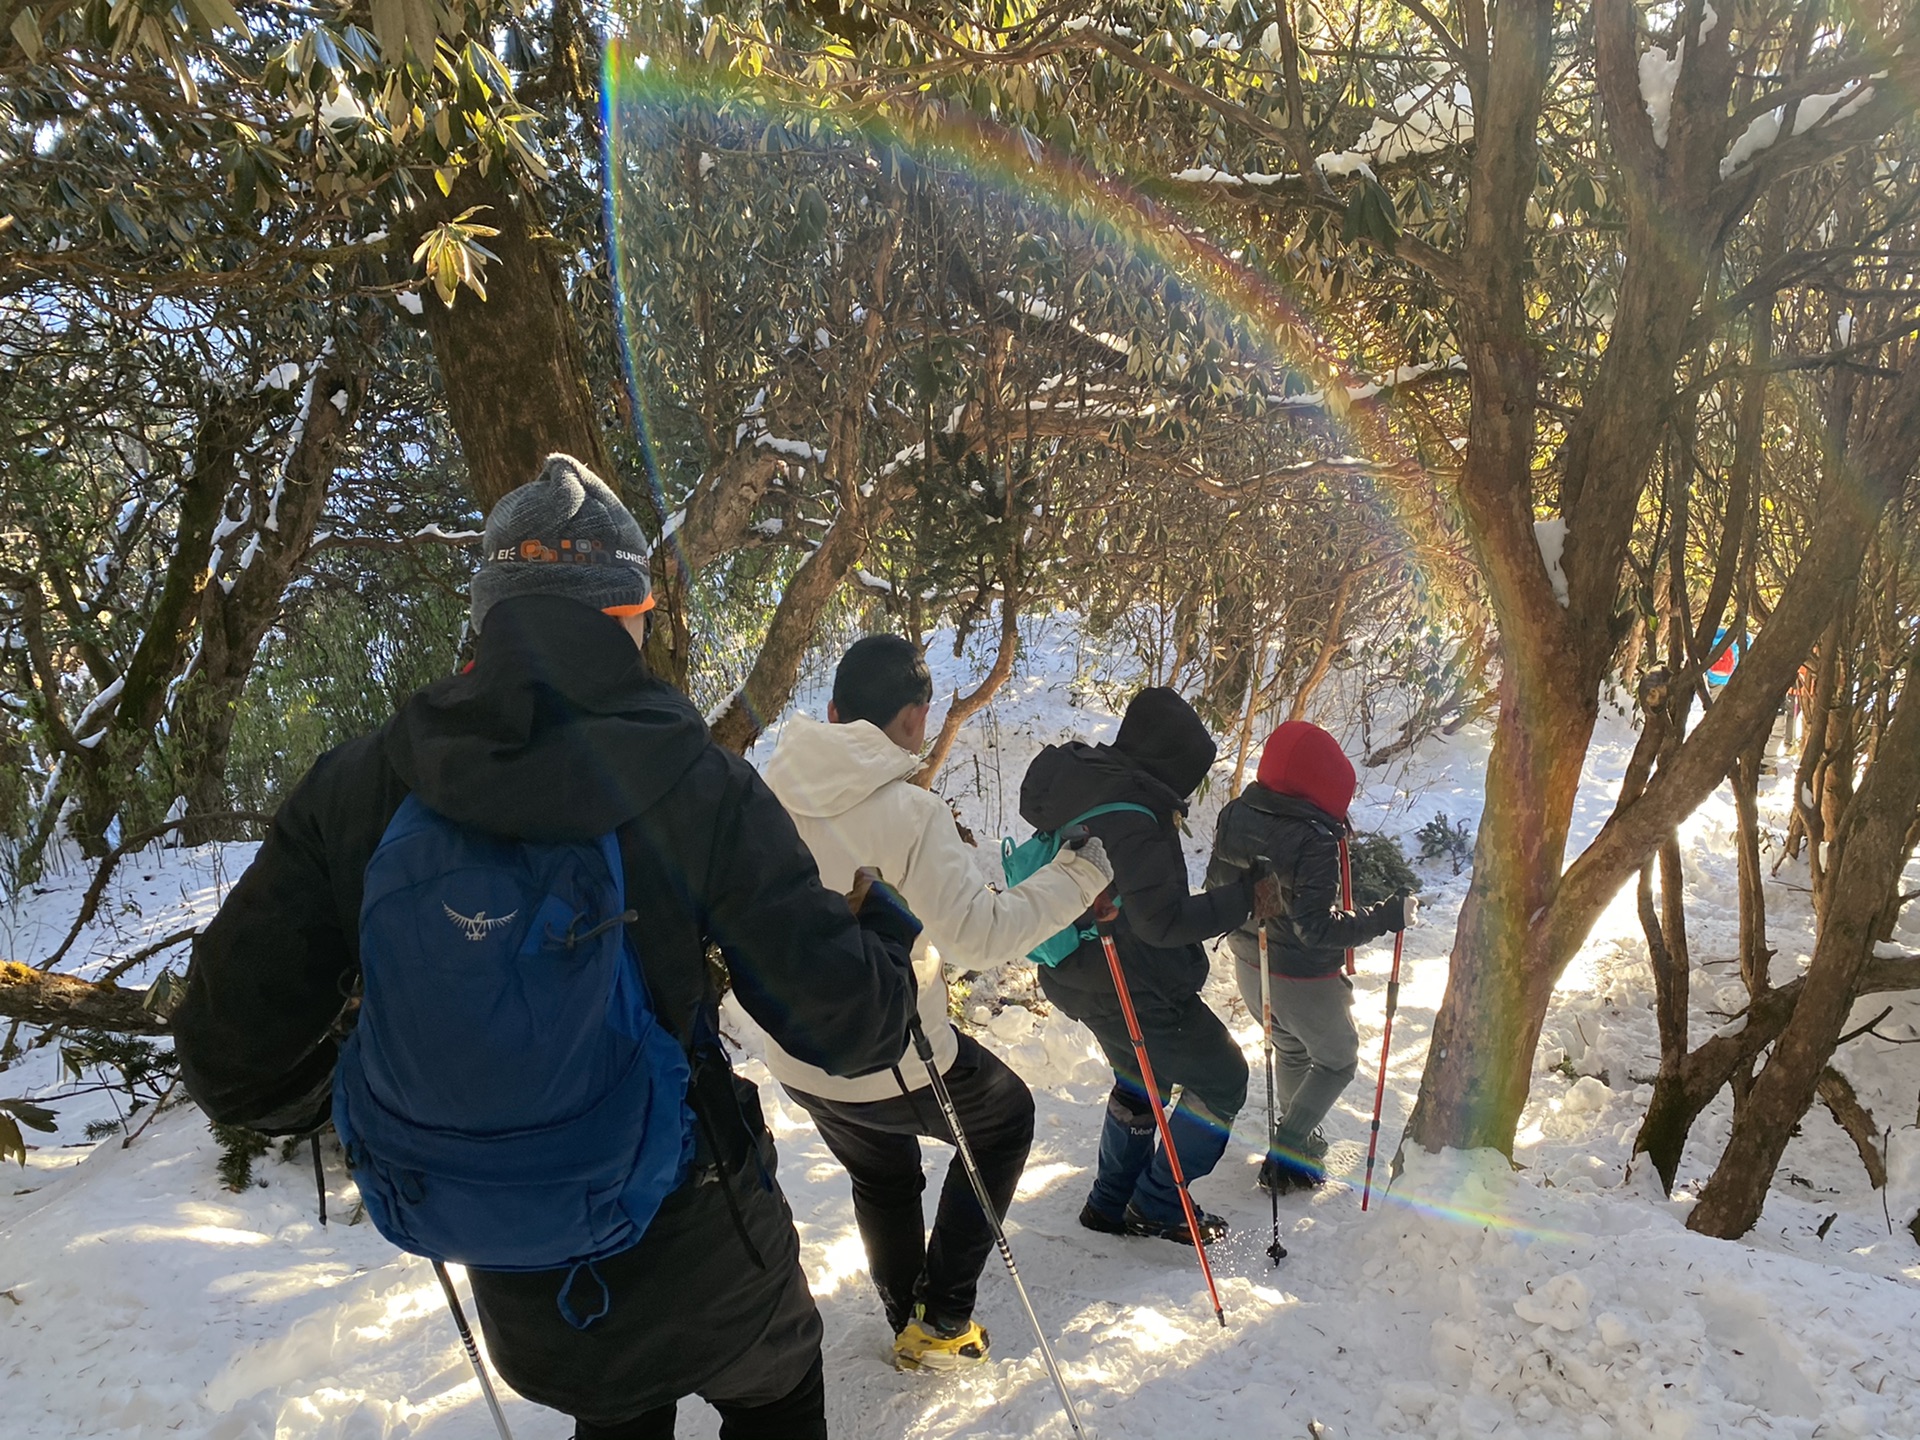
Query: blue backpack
508, 1100
1019, 862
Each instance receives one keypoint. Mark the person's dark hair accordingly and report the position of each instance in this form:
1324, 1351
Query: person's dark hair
880, 676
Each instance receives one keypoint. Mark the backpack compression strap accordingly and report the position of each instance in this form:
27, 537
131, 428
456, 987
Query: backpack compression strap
1112, 808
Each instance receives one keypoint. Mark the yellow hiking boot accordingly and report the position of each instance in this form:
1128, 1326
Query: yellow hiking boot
928, 1345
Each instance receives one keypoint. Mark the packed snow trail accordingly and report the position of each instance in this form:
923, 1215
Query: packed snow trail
139, 1299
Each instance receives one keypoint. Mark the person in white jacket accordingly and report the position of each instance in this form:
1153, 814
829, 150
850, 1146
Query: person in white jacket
846, 785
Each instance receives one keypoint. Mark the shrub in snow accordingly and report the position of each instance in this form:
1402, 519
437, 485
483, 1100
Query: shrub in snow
1380, 869
1444, 839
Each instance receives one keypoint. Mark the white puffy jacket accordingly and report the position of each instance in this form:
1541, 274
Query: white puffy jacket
847, 790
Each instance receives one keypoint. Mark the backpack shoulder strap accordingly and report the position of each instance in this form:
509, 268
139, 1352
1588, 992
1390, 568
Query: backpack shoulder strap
1111, 808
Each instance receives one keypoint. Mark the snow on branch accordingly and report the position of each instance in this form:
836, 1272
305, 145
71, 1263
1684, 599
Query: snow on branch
1551, 536
425, 535
1419, 124
1660, 73
1765, 129
101, 707
1369, 390
796, 449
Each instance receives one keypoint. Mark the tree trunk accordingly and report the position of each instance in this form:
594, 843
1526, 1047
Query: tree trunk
1871, 846
769, 684
40, 998
1537, 919
1255, 683
513, 364
1813, 743
1329, 647
964, 707
1756, 959
106, 766
1501, 973
234, 621
796, 620
1837, 1094
1670, 973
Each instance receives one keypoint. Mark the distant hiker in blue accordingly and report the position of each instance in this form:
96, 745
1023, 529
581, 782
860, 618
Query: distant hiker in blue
479, 941
1143, 780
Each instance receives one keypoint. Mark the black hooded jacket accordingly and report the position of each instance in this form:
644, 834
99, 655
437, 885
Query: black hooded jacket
1161, 924
1262, 830
556, 732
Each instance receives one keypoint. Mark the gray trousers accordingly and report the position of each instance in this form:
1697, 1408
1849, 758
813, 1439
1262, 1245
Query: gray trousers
1316, 1050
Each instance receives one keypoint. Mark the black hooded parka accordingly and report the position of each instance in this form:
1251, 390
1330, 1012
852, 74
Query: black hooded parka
558, 732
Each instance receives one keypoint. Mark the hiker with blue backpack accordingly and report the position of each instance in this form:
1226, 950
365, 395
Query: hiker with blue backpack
1292, 824
847, 783
479, 941
1132, 796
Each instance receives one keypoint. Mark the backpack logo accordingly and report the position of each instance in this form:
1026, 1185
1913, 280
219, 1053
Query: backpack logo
477, 927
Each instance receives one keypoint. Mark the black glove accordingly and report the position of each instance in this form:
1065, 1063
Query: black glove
880, 909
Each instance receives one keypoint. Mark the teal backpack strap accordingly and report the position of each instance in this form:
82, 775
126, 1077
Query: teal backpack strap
1113, 808
1019, 861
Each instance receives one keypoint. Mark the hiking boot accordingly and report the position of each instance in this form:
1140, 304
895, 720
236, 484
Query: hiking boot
925, 1344
1212, 1227
1281, 1175
1100, 1221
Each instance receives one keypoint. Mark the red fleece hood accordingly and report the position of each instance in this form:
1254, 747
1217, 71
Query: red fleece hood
1304, 761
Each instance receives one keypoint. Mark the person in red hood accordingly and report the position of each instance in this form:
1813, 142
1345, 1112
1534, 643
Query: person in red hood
1289, 823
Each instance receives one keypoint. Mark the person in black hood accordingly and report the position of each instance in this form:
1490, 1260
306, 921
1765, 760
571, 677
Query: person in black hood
558, 732
1154, 765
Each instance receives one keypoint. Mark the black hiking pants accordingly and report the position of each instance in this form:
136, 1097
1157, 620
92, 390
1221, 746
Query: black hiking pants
799, 1415
878, 1143
689, 1310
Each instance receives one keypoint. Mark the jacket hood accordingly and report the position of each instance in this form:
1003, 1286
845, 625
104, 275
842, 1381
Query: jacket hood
1304, 761
1066, 781
1161, 733
556, 732
825, 770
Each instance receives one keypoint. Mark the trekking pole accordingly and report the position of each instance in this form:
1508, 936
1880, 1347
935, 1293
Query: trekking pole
1276, 1252
1380, 1085
473, 1351
319, 1177
1103, 914
923, 1047
1346, 892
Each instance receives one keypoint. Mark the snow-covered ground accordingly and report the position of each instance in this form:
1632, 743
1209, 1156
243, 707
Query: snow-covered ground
140, 1299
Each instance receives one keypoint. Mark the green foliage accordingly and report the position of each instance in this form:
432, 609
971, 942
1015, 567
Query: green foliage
1380, 869
239, 1148
14, 1114
1441, 839
338, 667
1371, 216
145, 1067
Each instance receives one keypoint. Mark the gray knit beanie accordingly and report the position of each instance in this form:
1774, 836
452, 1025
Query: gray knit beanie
564, 533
